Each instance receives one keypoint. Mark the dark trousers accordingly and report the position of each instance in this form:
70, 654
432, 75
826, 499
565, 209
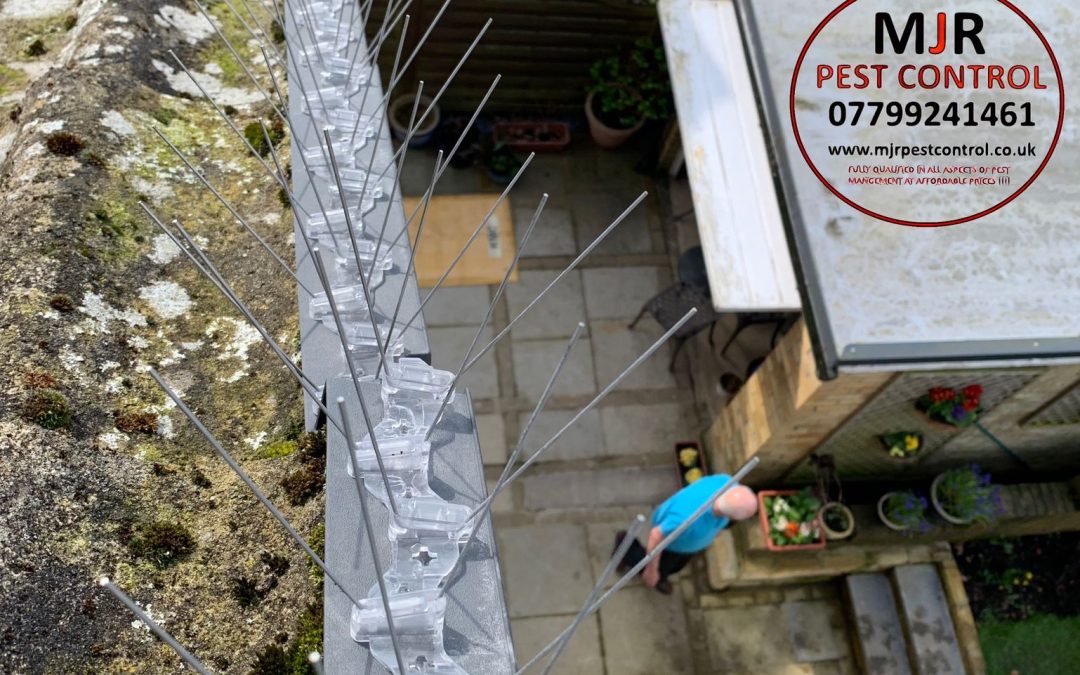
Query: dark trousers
670, 562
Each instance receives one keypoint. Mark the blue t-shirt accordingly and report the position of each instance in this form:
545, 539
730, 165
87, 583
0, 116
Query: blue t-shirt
681, 505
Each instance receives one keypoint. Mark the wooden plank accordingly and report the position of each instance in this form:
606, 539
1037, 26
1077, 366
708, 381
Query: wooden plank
735, 201
450, 221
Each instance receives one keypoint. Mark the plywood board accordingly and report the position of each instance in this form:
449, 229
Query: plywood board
735, 201
451, 220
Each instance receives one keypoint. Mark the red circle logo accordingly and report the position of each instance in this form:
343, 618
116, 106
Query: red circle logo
944, 121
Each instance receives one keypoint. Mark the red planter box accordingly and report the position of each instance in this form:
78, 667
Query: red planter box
533, 136
763, 518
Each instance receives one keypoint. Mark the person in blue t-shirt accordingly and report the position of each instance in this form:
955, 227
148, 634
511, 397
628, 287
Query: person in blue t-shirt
738, 503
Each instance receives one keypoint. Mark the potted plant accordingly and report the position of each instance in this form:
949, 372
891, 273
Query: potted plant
902, 445
401, 112
837, 521
904, 511
789, 519
689, 462
503, 164
947, 406
965, 495
627, 90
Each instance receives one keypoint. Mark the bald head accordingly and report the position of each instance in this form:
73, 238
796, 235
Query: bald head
738, 503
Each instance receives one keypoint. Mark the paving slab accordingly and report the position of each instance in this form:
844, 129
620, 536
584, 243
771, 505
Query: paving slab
456, 306
817, 630
615, 347
602, 545
546, 174
535, 360
546, 569
557, 314
645, 633
448, 346
639, 487
583, 655
619, 292
879, 632
491, 432
747, 639
583, 440
925, 612
553, 235
416, 176
593, 214
643, 429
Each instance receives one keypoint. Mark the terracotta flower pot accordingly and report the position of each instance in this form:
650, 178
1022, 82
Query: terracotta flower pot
763, 520
604, 136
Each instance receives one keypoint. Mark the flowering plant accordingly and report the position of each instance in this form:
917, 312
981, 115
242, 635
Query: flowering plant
793, 518
967, 494
959, 409
907, 510
902, 444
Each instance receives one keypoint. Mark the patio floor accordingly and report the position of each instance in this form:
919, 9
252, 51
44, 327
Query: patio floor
556, 525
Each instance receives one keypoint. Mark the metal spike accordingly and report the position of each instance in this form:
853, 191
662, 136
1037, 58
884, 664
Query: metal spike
616, 558
216, 278
239, 134
356, 246
400, 166
240, 219
412, 263
236, 55
591, 404
446, 85
453, 151
168, 639
491, 310
317, 260
361, 493
540, 296
472, 238
481, 511
636, 569
250, 483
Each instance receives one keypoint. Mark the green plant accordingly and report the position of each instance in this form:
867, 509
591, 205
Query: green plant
632, 86
48, 408
907, 510
967, 494
36, 48
165, 115
162, 543
948, 406
254, 135
503, 161
793, 518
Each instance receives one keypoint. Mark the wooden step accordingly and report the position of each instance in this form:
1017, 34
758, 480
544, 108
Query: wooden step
928, 623
879, 632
